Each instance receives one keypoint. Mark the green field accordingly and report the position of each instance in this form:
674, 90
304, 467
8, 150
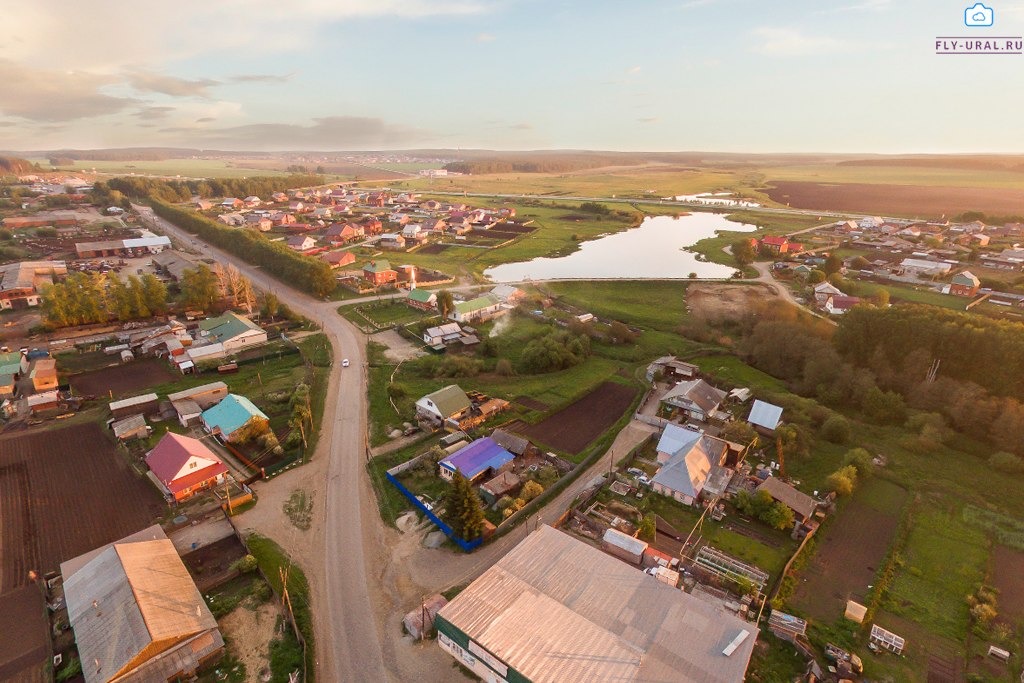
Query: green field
385, 313
186, 168
908, 294
732, 370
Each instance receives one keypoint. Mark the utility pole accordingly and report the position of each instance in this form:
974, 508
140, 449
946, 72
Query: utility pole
782, 456
287, 600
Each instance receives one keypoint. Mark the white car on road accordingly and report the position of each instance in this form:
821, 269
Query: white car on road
344, 362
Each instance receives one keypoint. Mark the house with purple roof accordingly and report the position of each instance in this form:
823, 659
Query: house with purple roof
475, 461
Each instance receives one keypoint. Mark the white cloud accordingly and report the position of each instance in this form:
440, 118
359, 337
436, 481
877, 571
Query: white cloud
146, 81
486, 37
635, 69
52, 95
791, 42
327, 133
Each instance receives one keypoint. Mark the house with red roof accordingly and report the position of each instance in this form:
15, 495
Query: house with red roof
184, 466
778, 245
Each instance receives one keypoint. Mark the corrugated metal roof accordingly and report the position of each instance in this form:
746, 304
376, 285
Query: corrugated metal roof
796, 500
130, 597
765, 415
477, 457
556, 609
628, 543
231, 414
128, 425
133, 401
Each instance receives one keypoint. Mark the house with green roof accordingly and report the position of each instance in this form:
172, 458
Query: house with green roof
449, 403
379, 272
423, 299
481, 308
234, 332
12, 364
233, 417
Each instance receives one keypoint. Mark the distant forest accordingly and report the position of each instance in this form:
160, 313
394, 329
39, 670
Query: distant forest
16, 166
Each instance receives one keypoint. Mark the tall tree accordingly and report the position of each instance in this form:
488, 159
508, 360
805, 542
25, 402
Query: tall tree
445, 302
199, 287
463, 510
743, 252
154, 293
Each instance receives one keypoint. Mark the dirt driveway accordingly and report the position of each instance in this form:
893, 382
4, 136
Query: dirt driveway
399, 348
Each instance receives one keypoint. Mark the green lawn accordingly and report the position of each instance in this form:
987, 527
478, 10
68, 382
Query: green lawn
904, 293
385, 313
896, 175
188, 168
732, 370
767, 224
944, 560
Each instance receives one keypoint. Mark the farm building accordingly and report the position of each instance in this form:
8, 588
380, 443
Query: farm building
58, 219
129, 428
229, 418
505, 484
420, 621
693, 400
476, 310
129, 247
423, 299
442, 334
184, 466
7, 386
476, 461
692, 464
623, 546
838, 305
44, 374
173, 264
13, 363
233, 332
188, 411
136, 613
764, 415
20, 282
556, 609
671, 368
25, 647
47, 400
513, 443
205, 395
925, 268
448, 403
802, 505
136, 405
965, 284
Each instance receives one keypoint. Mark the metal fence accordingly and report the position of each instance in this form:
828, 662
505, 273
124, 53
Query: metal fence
448, 531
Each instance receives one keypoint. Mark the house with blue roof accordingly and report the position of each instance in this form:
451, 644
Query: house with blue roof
692, 463
231, 416
476, 461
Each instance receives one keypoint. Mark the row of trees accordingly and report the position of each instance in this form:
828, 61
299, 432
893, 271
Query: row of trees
84, 298
203, 287
313, 275
184, 190
555, 351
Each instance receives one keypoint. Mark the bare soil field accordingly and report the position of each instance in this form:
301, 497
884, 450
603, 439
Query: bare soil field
1007, 574
901, 200
514, 228
122, 379
574, 427
715, 303
531, 403
850, 554
62, 493
210, 566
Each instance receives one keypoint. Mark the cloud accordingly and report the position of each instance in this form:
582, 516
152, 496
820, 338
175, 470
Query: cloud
791, 42
145, 81
51, 95
205, 119
648, 119
150, 113
331, 132
261, 78
521, 126
7, 124
635, 69
486, 37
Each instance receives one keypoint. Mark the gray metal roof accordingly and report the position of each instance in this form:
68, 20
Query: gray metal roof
765, 415
556, 609
798, 501
698, 392
131, 600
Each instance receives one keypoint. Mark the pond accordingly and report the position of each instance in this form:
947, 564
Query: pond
654, 250
717, 199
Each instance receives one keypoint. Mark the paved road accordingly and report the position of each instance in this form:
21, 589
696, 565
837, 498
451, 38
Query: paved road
348, 639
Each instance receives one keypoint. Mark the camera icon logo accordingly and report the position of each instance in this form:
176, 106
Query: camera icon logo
979, 15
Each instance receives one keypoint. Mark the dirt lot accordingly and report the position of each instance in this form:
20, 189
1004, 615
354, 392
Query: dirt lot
721, 303
1008, 577
433, 249
531, 403
907, 200
574, 427
849, 555
249, 632
123, 379
62, 493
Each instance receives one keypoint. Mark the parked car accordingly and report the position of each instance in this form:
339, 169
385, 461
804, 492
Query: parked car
644, 480
635, 471
344, 362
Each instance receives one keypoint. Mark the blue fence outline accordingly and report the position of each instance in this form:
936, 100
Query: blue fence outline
467, 546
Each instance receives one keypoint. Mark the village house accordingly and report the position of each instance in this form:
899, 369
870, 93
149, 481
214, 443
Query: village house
372, 226
691, 464
840, 304
281, 219
184, 466
672, 369
823, 290
764, 416
279, 197
434, 225
20, 282
802, 505
136, 613
423, 299
233, 418
414, 232
391, 240
44, 374
1007, 259
339, 259
301, 243
924, 268
506, 483
233, 331
508, 294
555, 608
252, 201
340, 233
448, 403
232, 220
479, 309
231, 203
481, 459
693, 400
379, 273
964, 284
202, 205
777, 246
258, 221
441, 334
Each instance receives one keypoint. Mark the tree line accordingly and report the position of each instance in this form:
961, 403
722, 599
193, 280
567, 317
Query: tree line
312, 275
84, 298
184, 190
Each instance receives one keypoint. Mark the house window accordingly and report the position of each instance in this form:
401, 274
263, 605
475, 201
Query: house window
193, 465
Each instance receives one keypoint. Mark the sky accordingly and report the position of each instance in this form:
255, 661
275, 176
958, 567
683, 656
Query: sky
646, 75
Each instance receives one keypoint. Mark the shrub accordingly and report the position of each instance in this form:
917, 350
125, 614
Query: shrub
1006, 462
245, 565
531, 490
843, 480
860, 459
836, 429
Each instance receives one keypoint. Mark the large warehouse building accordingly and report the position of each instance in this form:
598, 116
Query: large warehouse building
557, 610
